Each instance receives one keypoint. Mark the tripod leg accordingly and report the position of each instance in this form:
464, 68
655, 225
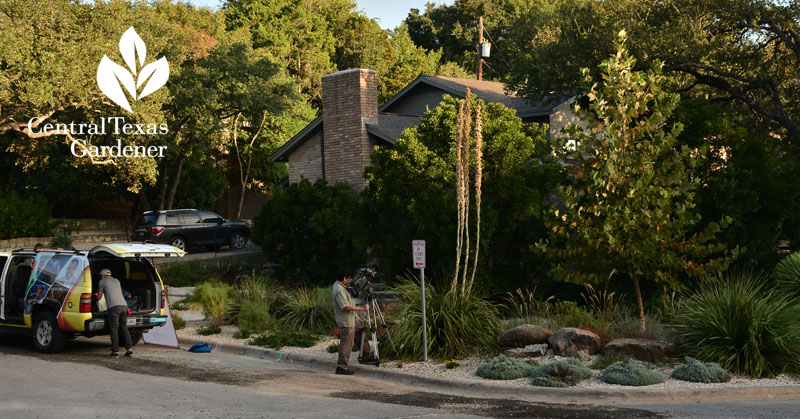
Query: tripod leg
374, 331
379, 314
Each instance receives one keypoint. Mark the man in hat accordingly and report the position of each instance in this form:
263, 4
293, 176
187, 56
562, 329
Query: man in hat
117, 312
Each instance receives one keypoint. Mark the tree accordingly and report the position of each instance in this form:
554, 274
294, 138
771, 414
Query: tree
631, 206
411, 195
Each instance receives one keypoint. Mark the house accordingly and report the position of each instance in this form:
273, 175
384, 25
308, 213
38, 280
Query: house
337, 145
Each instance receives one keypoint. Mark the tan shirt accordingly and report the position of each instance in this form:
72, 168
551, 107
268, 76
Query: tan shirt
342, 299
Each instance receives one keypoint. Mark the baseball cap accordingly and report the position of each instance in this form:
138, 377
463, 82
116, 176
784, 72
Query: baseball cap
105, 272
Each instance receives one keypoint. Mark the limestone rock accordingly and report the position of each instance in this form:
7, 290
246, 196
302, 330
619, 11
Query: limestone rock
584, 356
513, 353
641, 349
524, 335
568, 341
536, 350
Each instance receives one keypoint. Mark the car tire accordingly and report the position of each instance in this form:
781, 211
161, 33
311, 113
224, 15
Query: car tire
238, 240
47, 337
135, 338
180, 243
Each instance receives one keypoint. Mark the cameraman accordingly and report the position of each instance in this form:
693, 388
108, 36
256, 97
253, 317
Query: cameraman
350, 329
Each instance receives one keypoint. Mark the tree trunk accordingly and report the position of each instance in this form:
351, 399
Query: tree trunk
175, 180
144, 203
639, 301
162, 193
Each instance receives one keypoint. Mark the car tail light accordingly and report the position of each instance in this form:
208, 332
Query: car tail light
163, 298
156, 230
86, 303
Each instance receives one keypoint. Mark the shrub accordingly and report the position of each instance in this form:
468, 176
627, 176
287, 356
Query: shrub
213, 297
212, 329
333, 348
308, 228
458, 325
180, 305
253, 316
630, 373
310, 309
548, 382
24, 216
569, 372
62, 236
177, 321
700, 372
504, 368
281, 338
739, 323
242, 334
451, 363
787, 272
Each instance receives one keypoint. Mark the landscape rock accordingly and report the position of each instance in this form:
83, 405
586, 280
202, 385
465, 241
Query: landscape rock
513, 353
522, 336
584, 356
569, 340
532, 351
641, 349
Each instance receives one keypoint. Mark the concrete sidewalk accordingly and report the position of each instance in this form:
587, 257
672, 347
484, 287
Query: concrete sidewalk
628, 396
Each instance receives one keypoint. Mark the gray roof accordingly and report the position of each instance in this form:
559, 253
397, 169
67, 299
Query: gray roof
390, 126
490, 92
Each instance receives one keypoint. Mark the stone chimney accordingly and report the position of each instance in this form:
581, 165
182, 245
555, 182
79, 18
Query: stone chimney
349, 99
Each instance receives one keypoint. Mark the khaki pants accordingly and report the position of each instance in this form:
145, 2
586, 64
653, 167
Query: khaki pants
347, 336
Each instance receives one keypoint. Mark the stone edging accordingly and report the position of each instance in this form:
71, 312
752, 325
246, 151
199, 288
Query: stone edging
537, 394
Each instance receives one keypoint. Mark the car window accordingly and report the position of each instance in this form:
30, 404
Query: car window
148, 219
191, 218
210, 217
174, 219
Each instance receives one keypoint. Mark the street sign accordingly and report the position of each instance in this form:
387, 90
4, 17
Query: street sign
418, 248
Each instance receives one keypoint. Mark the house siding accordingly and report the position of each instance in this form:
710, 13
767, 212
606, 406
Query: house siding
416, 101
306, 161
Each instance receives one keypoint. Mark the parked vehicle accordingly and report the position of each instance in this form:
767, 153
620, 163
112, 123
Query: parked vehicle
185, 228
50, 294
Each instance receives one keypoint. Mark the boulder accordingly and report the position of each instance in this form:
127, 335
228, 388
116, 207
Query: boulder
568, 341
513, 353
532, 351
522, 336
641, 349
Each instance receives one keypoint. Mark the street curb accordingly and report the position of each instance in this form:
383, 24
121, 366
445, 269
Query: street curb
538, 394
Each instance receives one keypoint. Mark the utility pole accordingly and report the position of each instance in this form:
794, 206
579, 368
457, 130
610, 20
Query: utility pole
480, 47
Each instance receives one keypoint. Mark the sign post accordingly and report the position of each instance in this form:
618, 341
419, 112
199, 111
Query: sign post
418, 250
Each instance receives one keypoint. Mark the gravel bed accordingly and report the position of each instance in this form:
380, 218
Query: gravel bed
467, 367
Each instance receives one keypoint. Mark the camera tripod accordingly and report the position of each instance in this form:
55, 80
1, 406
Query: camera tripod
374, 319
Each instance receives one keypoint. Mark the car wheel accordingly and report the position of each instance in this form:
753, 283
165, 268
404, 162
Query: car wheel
47, 337
179, 242
135, 338
238, 240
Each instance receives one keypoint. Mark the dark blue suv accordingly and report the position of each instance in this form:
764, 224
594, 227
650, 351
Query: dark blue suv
185, 228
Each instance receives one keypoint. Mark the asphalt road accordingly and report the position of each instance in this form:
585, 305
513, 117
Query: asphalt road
81, 382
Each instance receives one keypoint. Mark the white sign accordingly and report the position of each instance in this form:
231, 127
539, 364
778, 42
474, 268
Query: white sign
418, 248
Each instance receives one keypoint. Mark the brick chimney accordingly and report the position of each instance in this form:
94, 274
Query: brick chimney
349, 99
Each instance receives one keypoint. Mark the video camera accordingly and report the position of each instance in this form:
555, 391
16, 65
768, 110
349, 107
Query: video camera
361, 284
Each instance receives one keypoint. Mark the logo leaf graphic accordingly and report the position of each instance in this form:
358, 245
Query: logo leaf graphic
160, 74
131, 45
109, 77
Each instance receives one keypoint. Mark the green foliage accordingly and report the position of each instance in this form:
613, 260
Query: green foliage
283, 337
258, 290
631, 205
788, 274
211, 329
604, 361
309, 229
411, 194
569, 372
743, 324
62, 236
504, 368
23, 216
254, 316
701, 372
451, 364
458, 325
195, 272
309, 309
630, 373
177, 321
242, 334
213, 297
181, 305
333, 348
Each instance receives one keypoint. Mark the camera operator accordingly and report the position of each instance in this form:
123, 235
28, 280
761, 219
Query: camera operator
350, 328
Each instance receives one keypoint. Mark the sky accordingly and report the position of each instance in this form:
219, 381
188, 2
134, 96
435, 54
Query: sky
390, 13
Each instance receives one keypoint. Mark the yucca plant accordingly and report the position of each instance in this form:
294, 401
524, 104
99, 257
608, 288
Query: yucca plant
741, 324
788, 274
309, 309
458, 324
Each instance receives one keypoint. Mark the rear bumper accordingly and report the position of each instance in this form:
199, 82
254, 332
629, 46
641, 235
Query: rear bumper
97, 325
